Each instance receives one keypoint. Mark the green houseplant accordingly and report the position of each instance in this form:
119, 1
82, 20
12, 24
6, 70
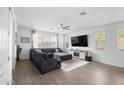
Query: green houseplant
18, 52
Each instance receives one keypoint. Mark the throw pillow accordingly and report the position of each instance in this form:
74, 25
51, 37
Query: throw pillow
57, 50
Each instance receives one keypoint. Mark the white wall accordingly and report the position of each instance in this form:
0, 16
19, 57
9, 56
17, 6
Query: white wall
110, 54
24, 32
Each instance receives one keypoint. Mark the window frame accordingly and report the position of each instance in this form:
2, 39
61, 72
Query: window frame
100, 40
39, 37
120, 50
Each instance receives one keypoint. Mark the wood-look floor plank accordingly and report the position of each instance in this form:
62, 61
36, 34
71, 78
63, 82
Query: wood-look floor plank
93, 73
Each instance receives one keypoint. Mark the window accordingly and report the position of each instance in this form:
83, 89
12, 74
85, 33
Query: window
44, 40
100, 39
120, 39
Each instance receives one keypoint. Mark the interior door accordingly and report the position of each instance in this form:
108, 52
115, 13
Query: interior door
5, 69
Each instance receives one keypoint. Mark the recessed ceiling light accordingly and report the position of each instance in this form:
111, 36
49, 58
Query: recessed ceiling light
83, 13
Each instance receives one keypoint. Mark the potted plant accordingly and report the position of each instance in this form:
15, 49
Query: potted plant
18, 52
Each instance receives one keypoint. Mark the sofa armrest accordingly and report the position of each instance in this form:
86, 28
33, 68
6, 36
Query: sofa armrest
54, 60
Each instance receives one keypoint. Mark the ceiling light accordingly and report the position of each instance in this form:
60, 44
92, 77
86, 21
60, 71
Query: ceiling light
83, 13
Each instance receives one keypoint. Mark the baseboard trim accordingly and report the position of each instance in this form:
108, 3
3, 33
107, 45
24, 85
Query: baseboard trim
108, 64
5, 83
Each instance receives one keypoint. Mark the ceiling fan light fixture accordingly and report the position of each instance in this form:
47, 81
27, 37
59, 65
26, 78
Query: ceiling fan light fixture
61, 29
60, 25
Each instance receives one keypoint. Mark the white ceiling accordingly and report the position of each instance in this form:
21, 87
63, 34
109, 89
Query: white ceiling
44, 18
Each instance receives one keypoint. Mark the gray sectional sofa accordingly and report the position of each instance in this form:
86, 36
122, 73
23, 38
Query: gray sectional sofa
47, 59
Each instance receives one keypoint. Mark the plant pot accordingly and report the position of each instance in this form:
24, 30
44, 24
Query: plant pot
17, 59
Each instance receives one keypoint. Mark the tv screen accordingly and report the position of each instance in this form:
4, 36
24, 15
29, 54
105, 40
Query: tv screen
80, 41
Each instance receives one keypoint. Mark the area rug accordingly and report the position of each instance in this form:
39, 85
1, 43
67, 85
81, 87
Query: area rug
70, 65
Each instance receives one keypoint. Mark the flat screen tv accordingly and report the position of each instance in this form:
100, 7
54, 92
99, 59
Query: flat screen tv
80, 41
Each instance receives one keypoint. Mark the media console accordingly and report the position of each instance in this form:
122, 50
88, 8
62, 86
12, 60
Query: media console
79, 54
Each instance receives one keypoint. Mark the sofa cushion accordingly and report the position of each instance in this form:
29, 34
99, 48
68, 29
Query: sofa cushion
50, 55
48, 50
63, 56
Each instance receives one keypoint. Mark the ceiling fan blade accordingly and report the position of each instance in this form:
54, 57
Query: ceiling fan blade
66, 27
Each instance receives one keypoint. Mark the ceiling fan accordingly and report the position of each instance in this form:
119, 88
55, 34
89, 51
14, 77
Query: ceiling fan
61, 27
